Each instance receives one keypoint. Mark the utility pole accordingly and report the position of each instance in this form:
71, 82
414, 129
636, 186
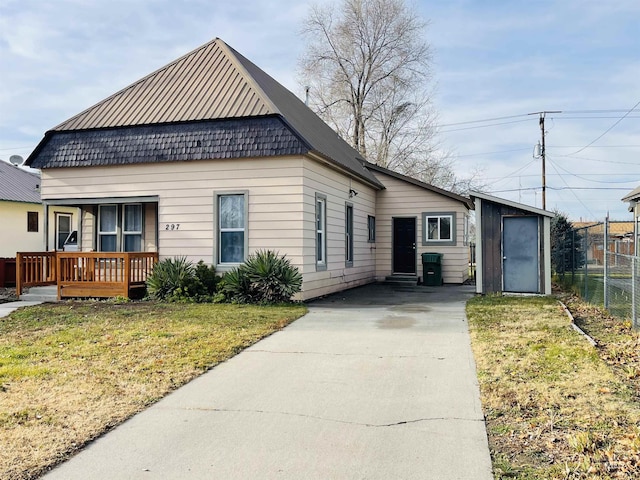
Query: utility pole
543, 155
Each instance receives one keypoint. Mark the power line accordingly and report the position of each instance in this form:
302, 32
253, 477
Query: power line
597, 160
587, 179
482, 120
485, 126
573, 192
491, 153
513, 173
607, 130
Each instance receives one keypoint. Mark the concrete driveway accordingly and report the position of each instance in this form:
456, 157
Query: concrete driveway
375, 383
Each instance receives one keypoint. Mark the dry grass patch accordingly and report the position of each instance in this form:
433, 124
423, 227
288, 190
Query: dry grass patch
554, 408
71, 371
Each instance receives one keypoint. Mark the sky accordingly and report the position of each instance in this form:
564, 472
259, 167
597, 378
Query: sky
496, 64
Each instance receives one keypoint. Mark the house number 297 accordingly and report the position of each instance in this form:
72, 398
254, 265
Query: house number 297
172, 226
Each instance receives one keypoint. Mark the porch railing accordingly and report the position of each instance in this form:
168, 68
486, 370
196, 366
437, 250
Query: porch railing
86, 274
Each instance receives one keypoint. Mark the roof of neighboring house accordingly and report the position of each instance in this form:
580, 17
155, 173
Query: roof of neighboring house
632, 195
213, 82
18, 185
509, 203
615, 227
465, 200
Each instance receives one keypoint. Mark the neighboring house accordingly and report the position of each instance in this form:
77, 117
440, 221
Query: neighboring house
211, 158
620, 235
633, 199
22, 214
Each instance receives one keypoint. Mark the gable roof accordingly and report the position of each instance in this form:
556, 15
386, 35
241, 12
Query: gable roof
509, 203
18, 185
465, 200
633, 195
213, 82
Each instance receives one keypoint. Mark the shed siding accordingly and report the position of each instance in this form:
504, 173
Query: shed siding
403, 199
492, 214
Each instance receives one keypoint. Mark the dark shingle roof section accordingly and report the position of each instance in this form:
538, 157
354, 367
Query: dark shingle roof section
18, 185
257, 137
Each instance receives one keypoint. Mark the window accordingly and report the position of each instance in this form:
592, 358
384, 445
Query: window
321, 229
439, 228
371, 223
232, 228
132, 228
32, 221
120, 228
348, 235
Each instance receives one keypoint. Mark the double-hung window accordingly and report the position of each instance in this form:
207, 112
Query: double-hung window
108, 228
132, 228
321, 232
120, 228
348, 237
439, 228
232, 217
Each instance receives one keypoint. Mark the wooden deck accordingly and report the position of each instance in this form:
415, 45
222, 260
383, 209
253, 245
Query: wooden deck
86, 274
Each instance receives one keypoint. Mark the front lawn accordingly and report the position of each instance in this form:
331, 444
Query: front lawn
71, 371
555, 407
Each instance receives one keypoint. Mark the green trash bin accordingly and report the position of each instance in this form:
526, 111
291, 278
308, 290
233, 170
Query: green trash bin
432, 269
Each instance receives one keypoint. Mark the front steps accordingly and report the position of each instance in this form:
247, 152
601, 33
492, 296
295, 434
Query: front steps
41, 294
402, 280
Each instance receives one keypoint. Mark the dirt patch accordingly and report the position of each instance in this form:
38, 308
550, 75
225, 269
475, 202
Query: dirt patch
8, 295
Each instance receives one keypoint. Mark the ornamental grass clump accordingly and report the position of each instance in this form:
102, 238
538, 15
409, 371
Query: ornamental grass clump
177, 279
265, 278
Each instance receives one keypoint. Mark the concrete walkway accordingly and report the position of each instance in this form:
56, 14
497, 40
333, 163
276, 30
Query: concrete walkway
7, 308
375, 383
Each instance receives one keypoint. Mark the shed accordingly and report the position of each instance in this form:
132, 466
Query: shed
513, 242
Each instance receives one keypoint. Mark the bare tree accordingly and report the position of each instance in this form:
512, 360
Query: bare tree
368, 68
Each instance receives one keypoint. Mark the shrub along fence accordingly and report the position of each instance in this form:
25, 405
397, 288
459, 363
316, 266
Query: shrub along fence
599, 263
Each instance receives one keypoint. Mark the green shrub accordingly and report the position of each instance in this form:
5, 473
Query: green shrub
207, 276
174, 279
264, 278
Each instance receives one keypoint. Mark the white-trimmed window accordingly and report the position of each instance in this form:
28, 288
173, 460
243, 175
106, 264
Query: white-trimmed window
371, 226
439, 228
321, 232
232, 228
120, 228
348, 235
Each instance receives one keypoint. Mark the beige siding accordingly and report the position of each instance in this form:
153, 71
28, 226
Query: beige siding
403, 199
186, 193
319, 179
14, 236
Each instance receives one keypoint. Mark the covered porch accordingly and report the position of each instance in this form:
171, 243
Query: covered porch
86, 274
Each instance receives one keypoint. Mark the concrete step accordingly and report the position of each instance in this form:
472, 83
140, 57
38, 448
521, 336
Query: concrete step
401, 280
41, 294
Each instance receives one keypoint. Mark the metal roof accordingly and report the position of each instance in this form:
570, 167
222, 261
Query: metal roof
633, 195
510, 203
213, 82
18, 185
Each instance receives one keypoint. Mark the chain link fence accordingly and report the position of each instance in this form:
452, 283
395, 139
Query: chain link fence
597, 261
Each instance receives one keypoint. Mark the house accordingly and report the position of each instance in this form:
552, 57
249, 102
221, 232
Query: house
633, 199
513, 246
211, 158
22, 214
591, 234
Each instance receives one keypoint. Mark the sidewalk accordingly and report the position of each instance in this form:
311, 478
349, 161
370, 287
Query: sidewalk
375, 383
7, 308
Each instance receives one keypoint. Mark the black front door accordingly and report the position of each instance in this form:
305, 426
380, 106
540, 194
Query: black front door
404, 245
